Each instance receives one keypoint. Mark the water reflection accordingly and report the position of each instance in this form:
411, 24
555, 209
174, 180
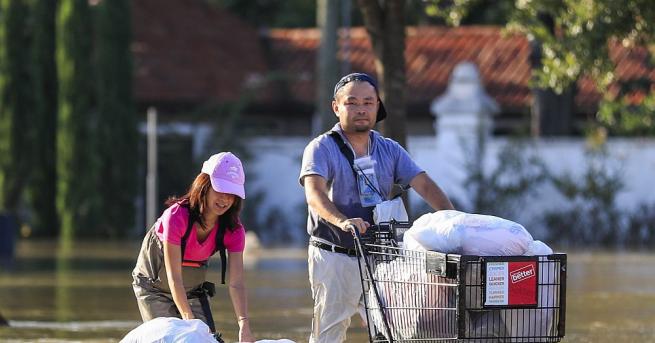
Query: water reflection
85, 295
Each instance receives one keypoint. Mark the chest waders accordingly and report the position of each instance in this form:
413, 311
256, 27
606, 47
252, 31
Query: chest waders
151, 282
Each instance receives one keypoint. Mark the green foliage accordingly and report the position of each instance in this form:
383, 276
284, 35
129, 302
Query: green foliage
42, 187
592, 217
640, 232
470, 12
117, 130
624, 117
16, 103
78, 200
574, 39
501, 191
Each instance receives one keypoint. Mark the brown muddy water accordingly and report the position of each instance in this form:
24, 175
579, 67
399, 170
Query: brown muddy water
87, 297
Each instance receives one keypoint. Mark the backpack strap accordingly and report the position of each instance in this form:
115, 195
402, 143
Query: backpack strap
345, 150
348, 153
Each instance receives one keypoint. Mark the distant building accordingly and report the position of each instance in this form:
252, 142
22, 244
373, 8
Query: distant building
190, 54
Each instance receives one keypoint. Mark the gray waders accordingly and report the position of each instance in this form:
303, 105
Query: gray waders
151, 287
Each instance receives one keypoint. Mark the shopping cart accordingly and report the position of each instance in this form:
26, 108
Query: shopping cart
425, 296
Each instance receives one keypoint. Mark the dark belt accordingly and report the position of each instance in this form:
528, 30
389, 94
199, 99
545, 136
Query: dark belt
334, 248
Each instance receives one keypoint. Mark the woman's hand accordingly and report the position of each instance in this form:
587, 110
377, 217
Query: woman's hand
244, 331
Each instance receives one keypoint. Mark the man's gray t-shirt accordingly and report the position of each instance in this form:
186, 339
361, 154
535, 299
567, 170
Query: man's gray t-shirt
323, 157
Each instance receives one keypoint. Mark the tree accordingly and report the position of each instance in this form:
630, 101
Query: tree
16, 103
78, 198
116, 117
580, 44
385, 24
44, 177
326, 65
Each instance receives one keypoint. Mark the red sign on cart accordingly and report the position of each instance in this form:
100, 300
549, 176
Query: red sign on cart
511, 283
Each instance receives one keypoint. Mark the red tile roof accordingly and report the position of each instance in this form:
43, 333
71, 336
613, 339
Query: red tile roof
432, 53
190, 52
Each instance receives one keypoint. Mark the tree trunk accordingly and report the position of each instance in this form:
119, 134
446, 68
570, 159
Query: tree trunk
327, 20
385, 25
16, 103
118, 162
44, 181
78, 198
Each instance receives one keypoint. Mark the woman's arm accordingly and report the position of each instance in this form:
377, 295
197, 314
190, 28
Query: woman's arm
238, 295
173, 263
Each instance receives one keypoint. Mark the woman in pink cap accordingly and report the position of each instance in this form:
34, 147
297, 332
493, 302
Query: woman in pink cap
170, 273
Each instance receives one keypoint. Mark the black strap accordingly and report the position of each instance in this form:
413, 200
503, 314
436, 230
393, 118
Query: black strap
220, 245
345, 150
204, 303
203, 293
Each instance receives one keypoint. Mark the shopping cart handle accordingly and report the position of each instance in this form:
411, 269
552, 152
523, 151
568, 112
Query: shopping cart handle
352, 228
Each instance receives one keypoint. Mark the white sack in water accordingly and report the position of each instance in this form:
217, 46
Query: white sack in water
451, 231
170, 329
174, 330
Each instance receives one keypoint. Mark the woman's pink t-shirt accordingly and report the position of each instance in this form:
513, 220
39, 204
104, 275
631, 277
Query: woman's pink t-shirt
172, 224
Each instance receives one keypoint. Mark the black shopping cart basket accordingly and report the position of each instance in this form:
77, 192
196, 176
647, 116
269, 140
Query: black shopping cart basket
426, 296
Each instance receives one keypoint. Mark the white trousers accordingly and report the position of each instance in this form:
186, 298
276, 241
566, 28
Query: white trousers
337, 292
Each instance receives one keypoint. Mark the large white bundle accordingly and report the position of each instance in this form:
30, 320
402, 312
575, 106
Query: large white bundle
411, 293
174, 330
169, 329
451, 231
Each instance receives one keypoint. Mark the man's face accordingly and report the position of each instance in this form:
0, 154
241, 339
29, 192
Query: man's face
356, 105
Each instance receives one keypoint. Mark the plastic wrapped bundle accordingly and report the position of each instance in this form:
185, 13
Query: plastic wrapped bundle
416, 304
451, 231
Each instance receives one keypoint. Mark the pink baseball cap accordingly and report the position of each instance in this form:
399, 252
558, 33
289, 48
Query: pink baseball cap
226, 174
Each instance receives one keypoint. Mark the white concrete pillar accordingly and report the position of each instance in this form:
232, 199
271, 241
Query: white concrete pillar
463, 125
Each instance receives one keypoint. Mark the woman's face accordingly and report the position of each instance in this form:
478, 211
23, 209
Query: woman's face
219, 203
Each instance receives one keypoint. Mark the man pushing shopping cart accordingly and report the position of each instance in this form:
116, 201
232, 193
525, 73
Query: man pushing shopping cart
346, 173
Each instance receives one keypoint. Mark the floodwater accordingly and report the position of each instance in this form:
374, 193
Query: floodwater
86, 296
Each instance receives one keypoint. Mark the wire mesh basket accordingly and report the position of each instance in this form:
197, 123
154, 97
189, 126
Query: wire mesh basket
426, 296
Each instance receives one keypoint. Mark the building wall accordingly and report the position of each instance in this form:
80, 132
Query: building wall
274, 170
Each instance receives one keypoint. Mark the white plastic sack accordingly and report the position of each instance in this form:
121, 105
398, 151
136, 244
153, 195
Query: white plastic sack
451, 231
174, 330
433, 231
412, 294
170, 329
389, 210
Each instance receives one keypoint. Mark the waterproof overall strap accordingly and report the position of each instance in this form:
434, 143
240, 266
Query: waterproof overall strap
220, 247
185, 237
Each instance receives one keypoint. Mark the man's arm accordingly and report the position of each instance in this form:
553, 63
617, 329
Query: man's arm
316, 192
430, 192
